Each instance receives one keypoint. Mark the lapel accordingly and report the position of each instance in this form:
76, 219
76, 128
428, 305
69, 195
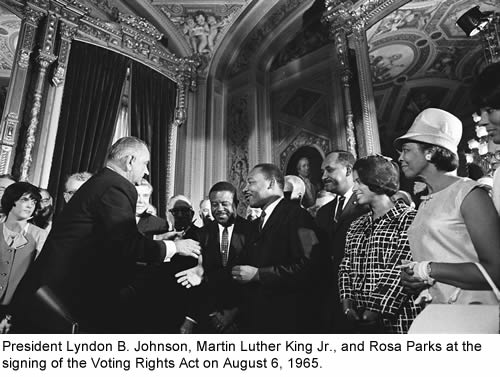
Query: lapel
275, 217
349, 207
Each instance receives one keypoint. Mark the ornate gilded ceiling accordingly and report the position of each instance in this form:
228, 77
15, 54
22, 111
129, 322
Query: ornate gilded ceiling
419, 58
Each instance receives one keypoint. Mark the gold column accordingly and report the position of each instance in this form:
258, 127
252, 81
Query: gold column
340, 41
9, 128
369, 111
44, 59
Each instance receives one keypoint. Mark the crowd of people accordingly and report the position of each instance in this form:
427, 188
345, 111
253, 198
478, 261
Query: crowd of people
364, 260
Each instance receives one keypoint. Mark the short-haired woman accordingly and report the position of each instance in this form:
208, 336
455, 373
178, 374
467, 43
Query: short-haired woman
376, 244
20, 241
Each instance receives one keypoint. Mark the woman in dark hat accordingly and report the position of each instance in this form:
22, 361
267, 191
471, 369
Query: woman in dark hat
456, 225
376, 244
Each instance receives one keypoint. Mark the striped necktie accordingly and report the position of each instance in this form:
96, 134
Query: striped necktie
224, 247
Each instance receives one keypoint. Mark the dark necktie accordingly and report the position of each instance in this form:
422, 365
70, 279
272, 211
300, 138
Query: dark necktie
261, 220
338, 208
224, 247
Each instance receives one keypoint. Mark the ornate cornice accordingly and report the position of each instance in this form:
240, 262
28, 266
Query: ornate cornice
353, 16
130, 35
139, 27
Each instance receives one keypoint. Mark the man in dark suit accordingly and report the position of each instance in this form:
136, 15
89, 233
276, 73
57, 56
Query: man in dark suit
222, 241
93, 247
333, 220
274, 266
145, 214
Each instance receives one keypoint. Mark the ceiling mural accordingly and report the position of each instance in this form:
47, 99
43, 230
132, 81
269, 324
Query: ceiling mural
9, 33
419, 58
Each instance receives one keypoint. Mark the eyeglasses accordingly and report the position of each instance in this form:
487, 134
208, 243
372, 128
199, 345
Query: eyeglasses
173, 211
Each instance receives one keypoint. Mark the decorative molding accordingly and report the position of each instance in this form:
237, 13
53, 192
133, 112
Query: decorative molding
171, 156
31, 19
11, 123
340, 41
139, 28
67, 33
44, 59
135, 37
348, 15
369, 112
303, 138
5, 154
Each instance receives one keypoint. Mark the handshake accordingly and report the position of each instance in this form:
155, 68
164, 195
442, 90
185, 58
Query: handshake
188, 248
185, 247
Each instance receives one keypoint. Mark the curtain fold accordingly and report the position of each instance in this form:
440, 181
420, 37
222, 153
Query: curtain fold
152, 107
92, 92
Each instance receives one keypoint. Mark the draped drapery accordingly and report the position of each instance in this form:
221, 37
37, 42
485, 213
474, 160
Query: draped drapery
152, 107
92, 92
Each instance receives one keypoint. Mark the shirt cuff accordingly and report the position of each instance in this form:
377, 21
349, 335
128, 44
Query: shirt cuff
171, 250
191, 320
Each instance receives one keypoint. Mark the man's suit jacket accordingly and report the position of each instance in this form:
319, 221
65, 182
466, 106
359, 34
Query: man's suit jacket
222, 291
332, 237
161, 303
277, 302
149, 225
89, 255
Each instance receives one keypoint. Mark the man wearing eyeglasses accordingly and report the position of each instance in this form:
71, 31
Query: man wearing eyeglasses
73, 183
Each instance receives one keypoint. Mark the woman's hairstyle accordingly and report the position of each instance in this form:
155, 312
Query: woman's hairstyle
14, 192
379, 173
442, 158
486, 90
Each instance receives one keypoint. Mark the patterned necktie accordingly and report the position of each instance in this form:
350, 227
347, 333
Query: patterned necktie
224, 247
261, 220
339, 207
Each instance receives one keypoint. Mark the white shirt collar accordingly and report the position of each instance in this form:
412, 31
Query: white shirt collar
347, 197
270, 208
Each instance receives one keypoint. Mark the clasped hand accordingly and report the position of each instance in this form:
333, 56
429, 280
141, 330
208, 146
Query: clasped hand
245, 274
411, 284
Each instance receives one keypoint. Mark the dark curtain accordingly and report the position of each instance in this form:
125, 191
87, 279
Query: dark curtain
90, 103
152, 106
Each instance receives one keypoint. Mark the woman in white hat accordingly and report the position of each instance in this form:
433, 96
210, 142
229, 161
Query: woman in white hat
456, 224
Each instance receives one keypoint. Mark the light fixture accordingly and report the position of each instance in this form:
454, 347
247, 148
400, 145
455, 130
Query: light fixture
479, 151
487, 25
473, 21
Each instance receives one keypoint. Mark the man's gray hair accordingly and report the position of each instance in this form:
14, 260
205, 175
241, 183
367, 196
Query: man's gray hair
125, 146
82, 176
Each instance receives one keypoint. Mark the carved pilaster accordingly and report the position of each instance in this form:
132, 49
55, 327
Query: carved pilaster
345, 76
11, 123
368, 109
67, 33
28, 31
44, 60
